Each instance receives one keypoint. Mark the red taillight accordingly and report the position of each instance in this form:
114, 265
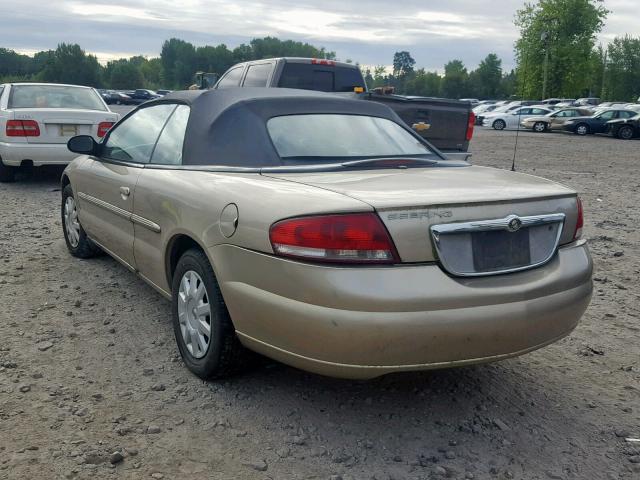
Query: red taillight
22, 128
580, 221
319, 61
343, 238
471, 125
103, 128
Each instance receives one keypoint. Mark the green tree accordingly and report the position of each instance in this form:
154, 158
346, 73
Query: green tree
124, 74
562, 35
485, 81
622, 74
178, 62
403, 64
454, 82
426, 84
70, 64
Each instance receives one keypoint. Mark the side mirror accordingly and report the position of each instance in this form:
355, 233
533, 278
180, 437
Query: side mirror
83, 144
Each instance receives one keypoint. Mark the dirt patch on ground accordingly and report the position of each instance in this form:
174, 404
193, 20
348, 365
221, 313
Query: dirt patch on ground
91, 385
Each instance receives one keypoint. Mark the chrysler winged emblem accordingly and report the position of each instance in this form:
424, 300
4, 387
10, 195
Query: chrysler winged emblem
514, 224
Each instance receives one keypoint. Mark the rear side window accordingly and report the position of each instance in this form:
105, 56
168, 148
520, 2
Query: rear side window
629, 114
168, 150
133, 139
308, 76
231, 79
55, 96
257, 75
1, 90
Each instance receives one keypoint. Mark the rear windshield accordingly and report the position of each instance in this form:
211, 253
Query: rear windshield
308, 76
54, 96
332, 136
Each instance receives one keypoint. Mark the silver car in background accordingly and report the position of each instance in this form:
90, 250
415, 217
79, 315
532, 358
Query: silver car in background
37, 120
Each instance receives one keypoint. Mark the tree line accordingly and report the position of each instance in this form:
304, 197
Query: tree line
556, 56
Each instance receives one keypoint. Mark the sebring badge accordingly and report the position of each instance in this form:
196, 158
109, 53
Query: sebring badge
514, 224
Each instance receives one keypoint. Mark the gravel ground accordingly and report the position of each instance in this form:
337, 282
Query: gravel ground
91, 385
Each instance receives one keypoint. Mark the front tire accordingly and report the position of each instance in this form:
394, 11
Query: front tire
582, 129
7, 173
202, 325
540, 127
78, 244
625, 132
499, 125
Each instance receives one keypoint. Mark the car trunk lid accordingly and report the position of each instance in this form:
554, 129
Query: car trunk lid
413, 202
59, 125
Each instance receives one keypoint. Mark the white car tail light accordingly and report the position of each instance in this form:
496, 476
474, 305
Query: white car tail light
22, 128
340, 238
103, 128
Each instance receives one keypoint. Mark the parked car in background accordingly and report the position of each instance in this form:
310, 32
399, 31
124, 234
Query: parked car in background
596, 123
37, 120
554, 120
472, 101
118, 98
587, 101
512, 119
565, 103
142, 95
624, 128
164, 92
556, 101
329, 196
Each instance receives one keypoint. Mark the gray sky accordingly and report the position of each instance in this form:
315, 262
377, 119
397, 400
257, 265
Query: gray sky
367, 31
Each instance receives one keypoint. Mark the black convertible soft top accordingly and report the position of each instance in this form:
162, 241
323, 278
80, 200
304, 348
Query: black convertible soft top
227, 127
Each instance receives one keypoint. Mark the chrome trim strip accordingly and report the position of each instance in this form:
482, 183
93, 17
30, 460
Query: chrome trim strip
498, 224
146, 223
107, 206
137, 219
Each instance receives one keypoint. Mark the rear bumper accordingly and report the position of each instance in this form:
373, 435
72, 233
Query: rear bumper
366, 322
14, 154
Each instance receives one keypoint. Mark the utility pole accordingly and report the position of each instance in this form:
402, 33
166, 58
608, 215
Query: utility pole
545, 38
604, 74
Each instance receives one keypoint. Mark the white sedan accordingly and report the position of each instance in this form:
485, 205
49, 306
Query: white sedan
512, 119
37, 120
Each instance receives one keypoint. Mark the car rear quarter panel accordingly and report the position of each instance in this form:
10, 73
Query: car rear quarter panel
183, 202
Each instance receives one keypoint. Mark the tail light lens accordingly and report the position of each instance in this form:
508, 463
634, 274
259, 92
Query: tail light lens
22, 128
103, 128
470, 125
580, 221
341, 238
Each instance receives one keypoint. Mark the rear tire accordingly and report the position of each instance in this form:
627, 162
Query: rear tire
202, 325
7, 173
540, 127
78, 244
625, 132
582, 129
499, 125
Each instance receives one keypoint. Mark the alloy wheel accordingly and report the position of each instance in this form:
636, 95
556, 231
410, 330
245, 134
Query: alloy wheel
71, 223
625, 133
194, 314
539, 127
582, 130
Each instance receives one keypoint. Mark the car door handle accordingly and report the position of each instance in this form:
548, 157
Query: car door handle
125, 192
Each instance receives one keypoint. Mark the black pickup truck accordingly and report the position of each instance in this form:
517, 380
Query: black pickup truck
446, 124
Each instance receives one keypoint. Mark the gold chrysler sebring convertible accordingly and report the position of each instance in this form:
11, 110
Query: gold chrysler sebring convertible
324, 233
